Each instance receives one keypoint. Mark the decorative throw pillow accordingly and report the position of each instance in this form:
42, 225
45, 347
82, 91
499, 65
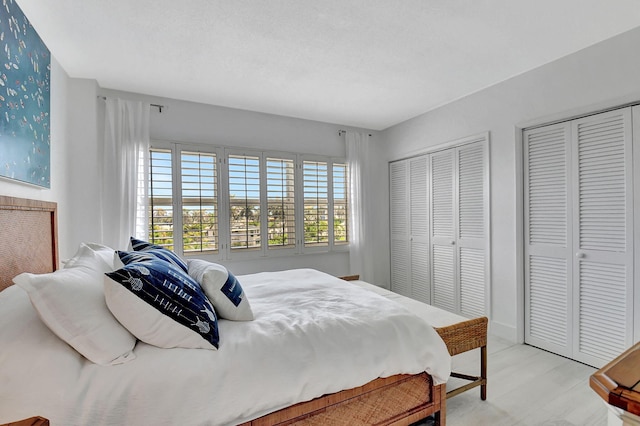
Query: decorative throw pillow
159, 252
70, 301
161, 305
223, 289
122, 258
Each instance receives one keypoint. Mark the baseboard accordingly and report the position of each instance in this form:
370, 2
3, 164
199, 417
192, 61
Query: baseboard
503, 331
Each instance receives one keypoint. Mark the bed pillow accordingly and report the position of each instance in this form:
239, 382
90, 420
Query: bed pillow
223, 289
122, 258
104, 252
159, 252
70, 301
161, 305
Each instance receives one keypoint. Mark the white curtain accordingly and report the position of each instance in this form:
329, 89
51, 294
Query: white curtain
360, 244
124, 179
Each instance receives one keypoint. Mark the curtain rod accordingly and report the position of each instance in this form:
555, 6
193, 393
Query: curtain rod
104, 98
342, 132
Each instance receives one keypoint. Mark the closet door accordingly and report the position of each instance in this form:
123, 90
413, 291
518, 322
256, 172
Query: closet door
443, 232
419, 228
548, 267
602, 236
579, 237
400, 227
472, 206
459, 228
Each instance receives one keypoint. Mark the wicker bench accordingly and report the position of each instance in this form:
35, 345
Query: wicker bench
459, 336
462, 337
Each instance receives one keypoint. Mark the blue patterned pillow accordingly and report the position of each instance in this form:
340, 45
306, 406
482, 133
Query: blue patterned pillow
159, 252
161, 305
123, 258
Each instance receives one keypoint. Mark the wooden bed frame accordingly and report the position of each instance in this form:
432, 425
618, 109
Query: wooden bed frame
29, 243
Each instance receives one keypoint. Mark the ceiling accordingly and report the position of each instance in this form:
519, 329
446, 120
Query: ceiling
361, 63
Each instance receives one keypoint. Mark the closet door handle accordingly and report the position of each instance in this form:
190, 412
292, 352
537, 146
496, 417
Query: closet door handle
580, 255
453, 242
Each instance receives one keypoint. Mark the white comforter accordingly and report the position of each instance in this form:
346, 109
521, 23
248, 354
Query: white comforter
313, 334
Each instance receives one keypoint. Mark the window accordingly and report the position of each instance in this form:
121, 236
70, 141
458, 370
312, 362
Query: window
244, 201
281, 203
247, 203
316, 203
340, 204
160, 198
199, 202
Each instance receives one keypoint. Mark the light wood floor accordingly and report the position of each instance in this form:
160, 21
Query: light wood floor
526, 386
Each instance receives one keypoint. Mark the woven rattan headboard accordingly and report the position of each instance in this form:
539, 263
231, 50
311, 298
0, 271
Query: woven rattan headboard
28, 238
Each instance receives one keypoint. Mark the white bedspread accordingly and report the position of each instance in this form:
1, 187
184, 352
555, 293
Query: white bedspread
313, 334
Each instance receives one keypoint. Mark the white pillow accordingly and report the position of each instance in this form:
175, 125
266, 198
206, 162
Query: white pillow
104, 252
223, 289
70, 301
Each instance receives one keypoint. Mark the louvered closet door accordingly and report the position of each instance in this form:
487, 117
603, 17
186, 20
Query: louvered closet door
579, 237
399, 227
419, 228
471, 207
602, 237
547, 238
443, 233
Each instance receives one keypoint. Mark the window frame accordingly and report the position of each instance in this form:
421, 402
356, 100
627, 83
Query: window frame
222, 154
331, 246
276, 250
188, 149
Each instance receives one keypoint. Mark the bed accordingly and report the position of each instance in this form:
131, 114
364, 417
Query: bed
460, 334
29, 243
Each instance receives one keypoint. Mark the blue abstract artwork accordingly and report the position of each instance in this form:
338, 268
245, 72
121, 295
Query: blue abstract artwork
25, 75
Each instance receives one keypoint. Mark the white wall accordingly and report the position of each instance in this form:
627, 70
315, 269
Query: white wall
82, 175
58, 192
601, 76
207, 124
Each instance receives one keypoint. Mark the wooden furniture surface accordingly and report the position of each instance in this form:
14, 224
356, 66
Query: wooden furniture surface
618, 382
33, 421
29, 243
462, 337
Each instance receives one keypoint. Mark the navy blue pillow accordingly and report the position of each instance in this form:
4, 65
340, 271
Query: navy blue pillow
168, 290
127, 257
159, 252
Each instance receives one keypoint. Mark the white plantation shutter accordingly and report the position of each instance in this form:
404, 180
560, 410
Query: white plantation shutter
281, 224
547, 269
419, 225
161, 220
443, 238
199, 180
340, 203
315, 180
579, 235
399, 227
603, 236
244, 201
